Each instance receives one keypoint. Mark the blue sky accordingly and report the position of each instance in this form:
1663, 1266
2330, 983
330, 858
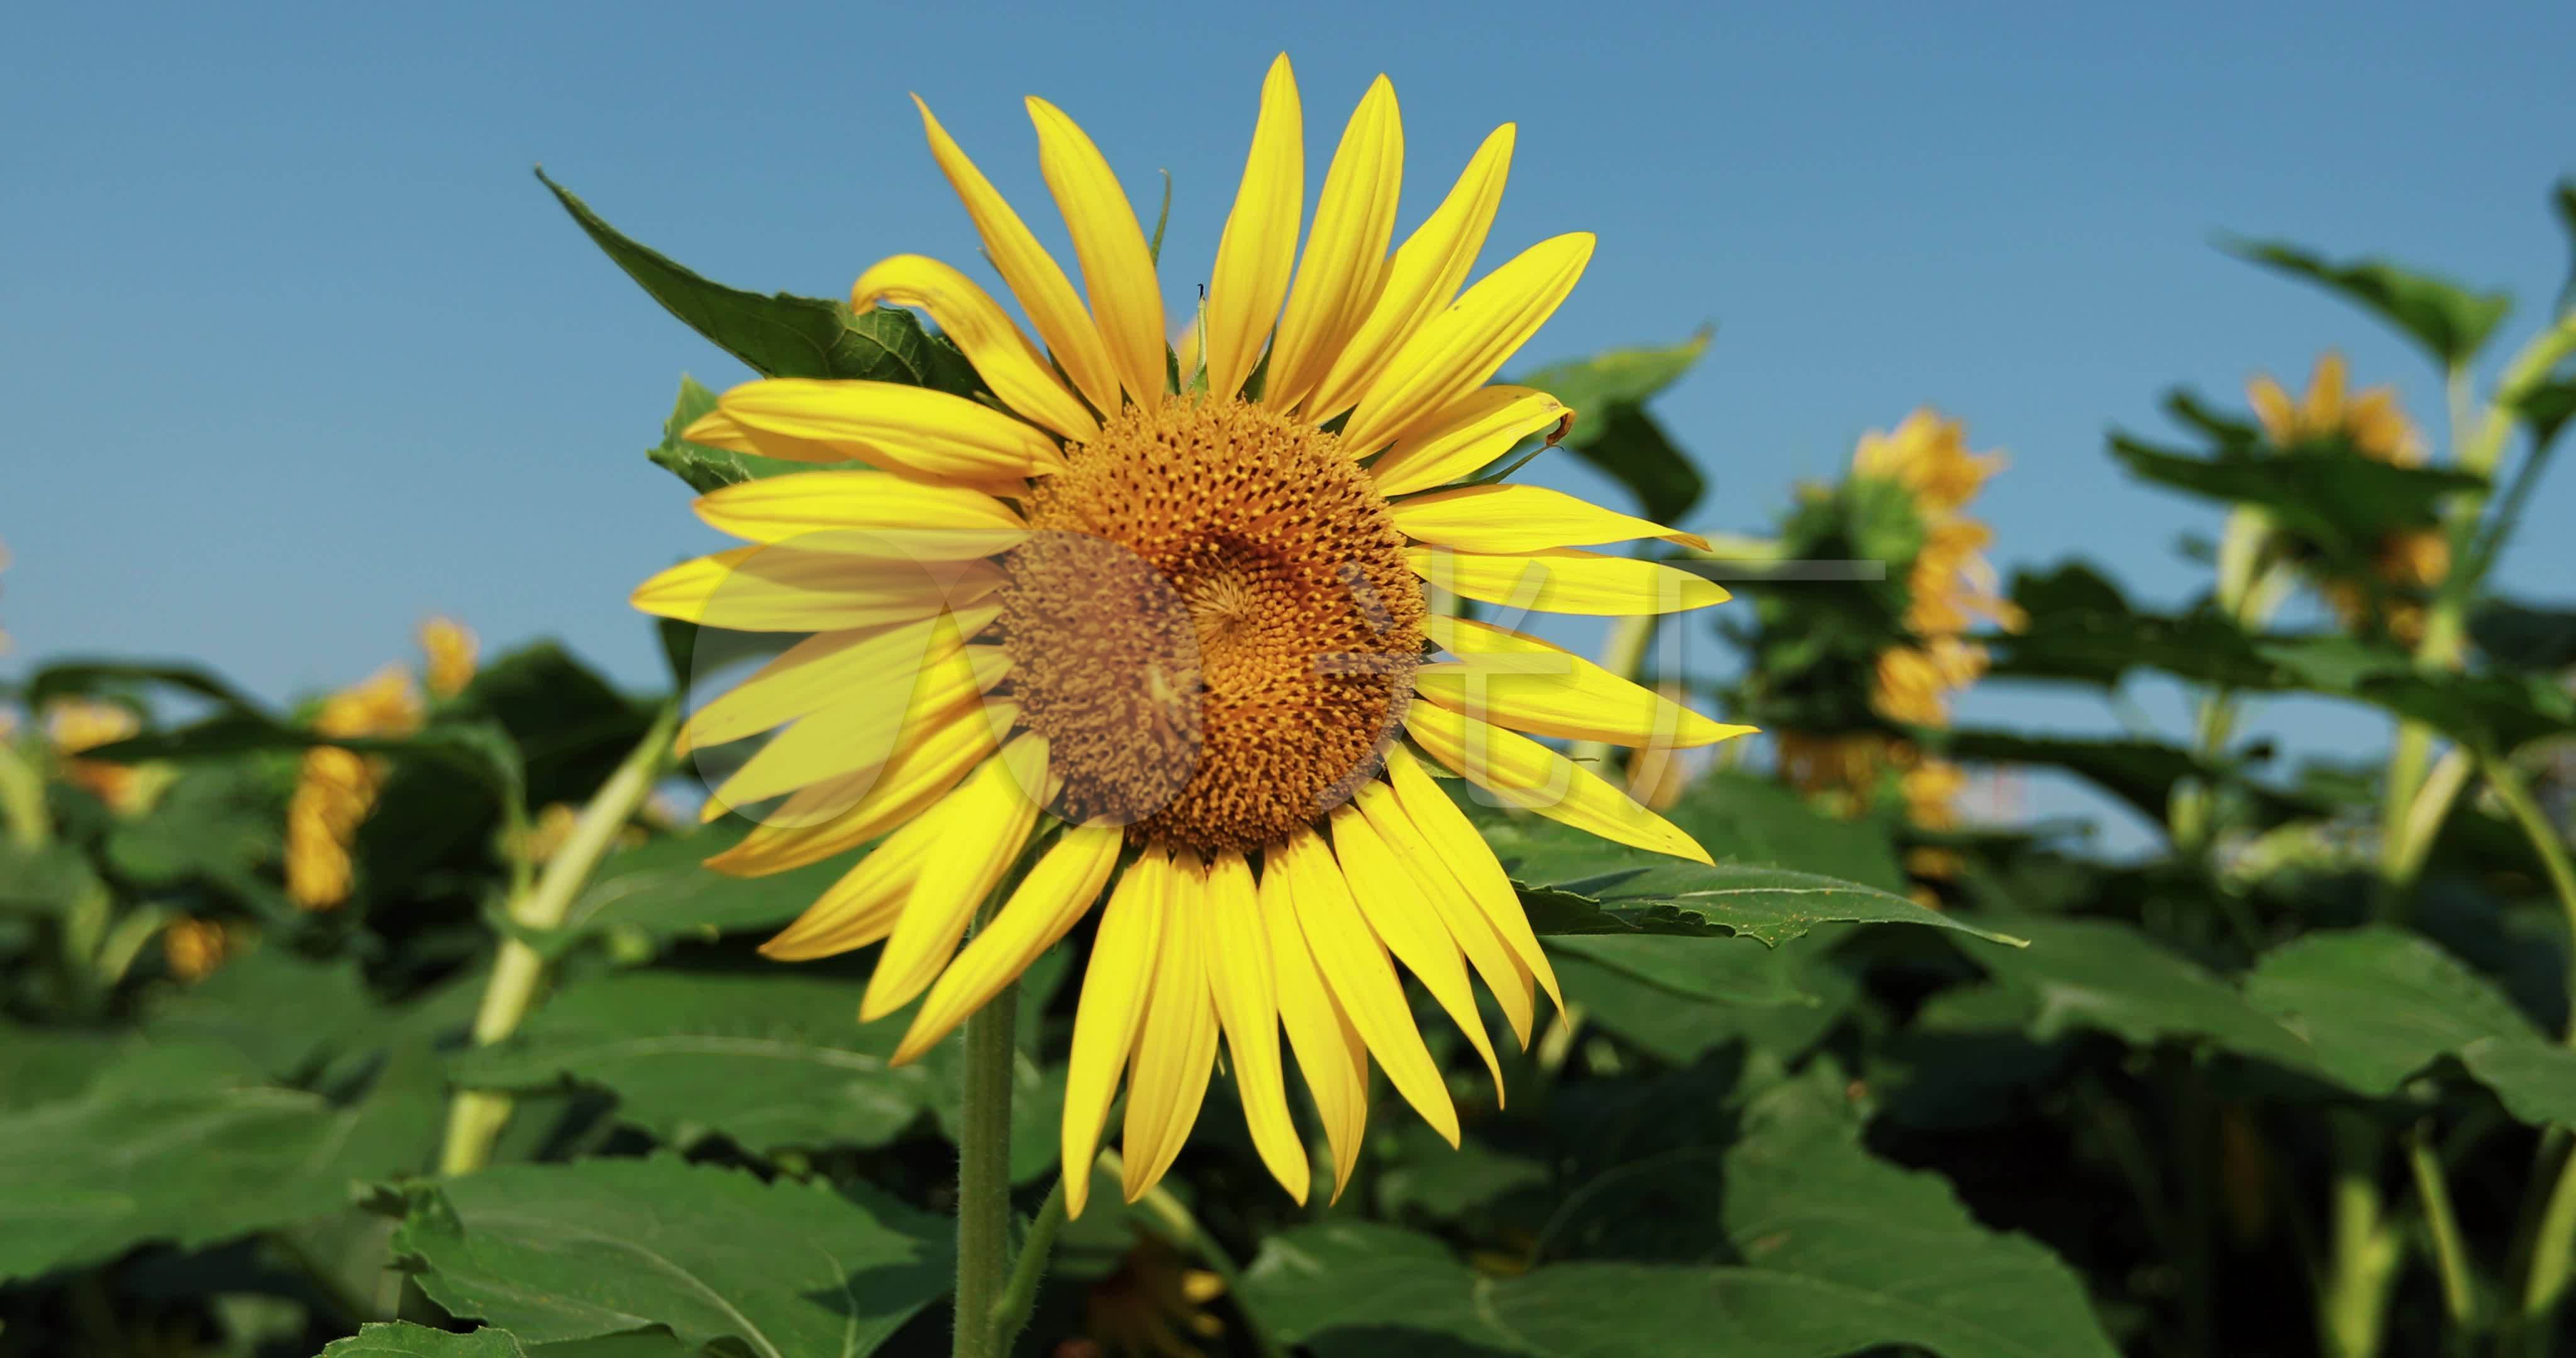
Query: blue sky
303, 353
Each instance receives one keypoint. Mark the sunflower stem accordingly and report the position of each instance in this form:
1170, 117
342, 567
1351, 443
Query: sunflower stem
476, 1116
1011, 1309
984, 1178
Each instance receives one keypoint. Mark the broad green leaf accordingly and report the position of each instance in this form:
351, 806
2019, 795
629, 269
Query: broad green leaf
2526, 636
218, 823
2536, 1080
2450, 321
662, 890
129, 682
2343, 502
284, 1013
40, 1065
2491, 711
782, 335
46, 880
601, 1247
2142, 773
1962, 1059
402, 1339
2112, 977
1818, 1250
2379, 1004
1607, 393
2083, 630
1678, 1029
707, 469
1699, 968
177, 1145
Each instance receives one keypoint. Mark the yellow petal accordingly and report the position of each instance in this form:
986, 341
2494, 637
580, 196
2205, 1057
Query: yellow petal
1422, 278
1354, 966
1329, 1050
1176, 1050
782, 589
1457, 350
1528, 685
1010, 365
1452, 910
716, 429
863, 906
1043, 907
861, 732
1466, 437
1247, 1004
1117, 265
898, 427
1260, 241
1518, 518
1344, 265
1565, 580
1390, 896
1531, 776
982, 826
1454, 838
1122, 971
871, 516
810, 675
1044, 292
843, 813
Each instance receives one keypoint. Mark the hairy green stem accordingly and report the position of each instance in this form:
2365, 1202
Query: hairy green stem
1020, 1295
476, 1116
984, 1176
2362, 1253
2450, 1251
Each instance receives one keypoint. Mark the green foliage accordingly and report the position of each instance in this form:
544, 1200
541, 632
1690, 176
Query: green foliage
2452, 322
1608, 393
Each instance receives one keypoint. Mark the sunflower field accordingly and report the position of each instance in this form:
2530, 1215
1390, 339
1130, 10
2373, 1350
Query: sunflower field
1127, 860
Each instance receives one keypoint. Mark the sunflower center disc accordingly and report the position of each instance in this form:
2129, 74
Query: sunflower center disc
1213, 624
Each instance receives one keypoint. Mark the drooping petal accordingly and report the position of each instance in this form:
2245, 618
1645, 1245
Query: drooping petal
1528, 685
1117, 265
1354, 966
1240, 977
778, 588
1452, 910
1339, 275
1250, 278
1042, 909
1465, 438
898, 427
1034, 278
1456, 351
841, 814
810, 675
1566, 580
847, 513
1124, 963
862, 731
1329, 1050
1513, 517
1176, 1051
982, 826
967, 314
1422, 278
1536, 778
863, 906
1390, 896
1454, 838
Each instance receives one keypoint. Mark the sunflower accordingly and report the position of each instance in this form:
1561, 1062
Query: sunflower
1174, 629
336, 788
1153, 1305
73, 725
2407, 564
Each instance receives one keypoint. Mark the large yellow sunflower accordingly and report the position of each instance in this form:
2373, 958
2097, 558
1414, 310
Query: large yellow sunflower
1171, 628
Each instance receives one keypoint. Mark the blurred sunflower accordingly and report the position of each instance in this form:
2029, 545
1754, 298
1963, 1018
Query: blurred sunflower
76, 724
448, 649
336, 788
193, 947
2406, 566
1183, 615
1906, 503
1153, 1305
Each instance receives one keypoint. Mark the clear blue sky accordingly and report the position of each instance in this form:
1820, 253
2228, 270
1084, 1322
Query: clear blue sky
302, 353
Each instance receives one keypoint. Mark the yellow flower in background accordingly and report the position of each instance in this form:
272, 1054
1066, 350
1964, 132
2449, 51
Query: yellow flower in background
1153, 1305
2408, 563
451, 650
1951, 586
1189, 627
337, 788
76, 724
192, 948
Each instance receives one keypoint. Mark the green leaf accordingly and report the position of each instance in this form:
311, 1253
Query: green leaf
782, 335
2536, 1081
41, 1065
129, 682
2142, 773
175, 1144
2379, 1004
2525, 636
47, 879
1818, 1249
1798, 1004
402, 1339
1722, 969
283, 1013
602, 1247
2562, 196
704, 468
2501, 712
1607, 393
662, 890
2083, 630
2112, 977
2450, 321
2344, 502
